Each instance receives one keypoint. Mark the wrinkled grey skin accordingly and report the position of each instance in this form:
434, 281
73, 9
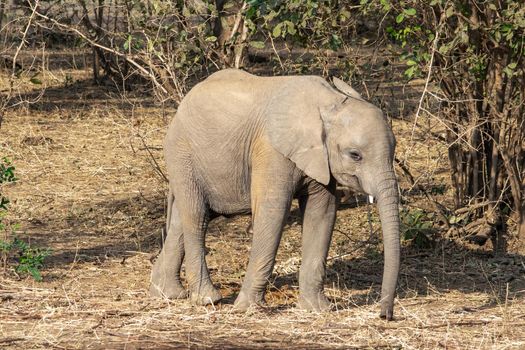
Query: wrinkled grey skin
241, 143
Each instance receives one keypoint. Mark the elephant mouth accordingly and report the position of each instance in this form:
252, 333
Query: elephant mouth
350, 181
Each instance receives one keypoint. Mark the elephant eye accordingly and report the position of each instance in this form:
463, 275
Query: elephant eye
354, 155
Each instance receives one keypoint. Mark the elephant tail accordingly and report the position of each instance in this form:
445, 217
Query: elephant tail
165, 229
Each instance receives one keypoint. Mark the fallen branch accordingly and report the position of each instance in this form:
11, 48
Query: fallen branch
11, 340
473, 207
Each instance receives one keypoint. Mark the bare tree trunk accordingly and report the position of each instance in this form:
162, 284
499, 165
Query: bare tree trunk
521, 224
231, 32
2, 11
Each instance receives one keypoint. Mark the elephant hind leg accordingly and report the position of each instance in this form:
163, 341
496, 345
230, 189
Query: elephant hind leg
194, 216
165, 275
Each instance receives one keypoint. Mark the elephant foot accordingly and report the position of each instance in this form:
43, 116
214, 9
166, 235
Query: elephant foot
387, 312
245, 301
316, 302
206, 296
170, 290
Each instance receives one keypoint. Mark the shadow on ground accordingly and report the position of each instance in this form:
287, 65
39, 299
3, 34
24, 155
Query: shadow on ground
448, 266
100, 230
84, 94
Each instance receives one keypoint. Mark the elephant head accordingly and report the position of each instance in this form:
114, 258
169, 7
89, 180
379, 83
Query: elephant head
350, 140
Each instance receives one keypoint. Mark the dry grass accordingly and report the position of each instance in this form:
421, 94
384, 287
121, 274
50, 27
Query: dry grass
89, 191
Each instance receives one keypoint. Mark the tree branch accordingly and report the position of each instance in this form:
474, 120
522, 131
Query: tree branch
93, 43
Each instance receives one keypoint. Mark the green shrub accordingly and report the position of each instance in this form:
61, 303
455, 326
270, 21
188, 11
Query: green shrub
417, 227
7, 174
29, 260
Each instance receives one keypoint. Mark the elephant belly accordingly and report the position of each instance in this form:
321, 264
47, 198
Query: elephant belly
237, 206
234, 198
226, 186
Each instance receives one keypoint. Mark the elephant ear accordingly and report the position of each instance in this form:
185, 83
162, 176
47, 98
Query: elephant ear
296, 131
346, 89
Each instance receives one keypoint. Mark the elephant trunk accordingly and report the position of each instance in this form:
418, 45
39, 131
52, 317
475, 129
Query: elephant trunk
388, 207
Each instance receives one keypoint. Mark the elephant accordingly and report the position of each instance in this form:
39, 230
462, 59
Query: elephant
241, 143
344, 195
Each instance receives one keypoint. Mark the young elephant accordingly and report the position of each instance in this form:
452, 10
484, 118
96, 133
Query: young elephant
241, 143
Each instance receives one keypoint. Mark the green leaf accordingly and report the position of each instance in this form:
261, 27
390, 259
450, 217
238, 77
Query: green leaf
257, 44
400, 18
37, 276
454, 219
446, 48
411, 63
497, 36
509, 69
410, 72
291, 28
449, 12
410, 12
270, 16
228, 5
251, 12
463, 37
211, 39
151, 46
277, 30
344, 15
127, 43
335, 42
35, 81
386, 5
4, 203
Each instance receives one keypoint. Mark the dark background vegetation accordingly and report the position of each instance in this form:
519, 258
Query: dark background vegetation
469, 53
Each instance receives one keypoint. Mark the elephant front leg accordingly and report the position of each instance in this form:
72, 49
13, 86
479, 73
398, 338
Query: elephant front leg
271, 199
268, 223
318, 207
165, 275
